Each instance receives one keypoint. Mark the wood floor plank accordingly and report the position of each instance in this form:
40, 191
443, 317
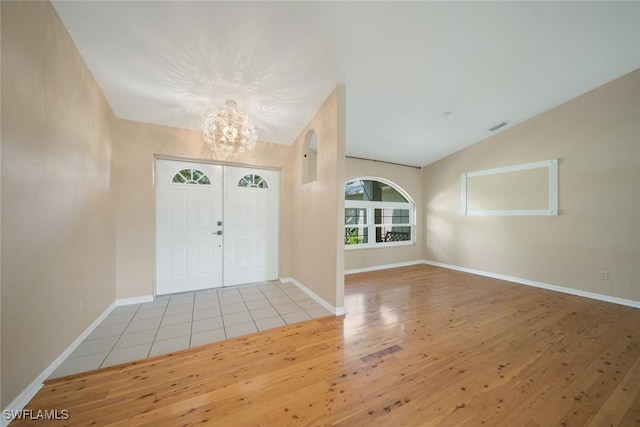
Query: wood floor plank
420, 346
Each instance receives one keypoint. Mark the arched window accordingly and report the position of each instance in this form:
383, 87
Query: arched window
191, 176
253, 181
377, 213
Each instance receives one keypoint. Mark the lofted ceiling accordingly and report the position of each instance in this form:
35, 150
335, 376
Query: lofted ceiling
423, 79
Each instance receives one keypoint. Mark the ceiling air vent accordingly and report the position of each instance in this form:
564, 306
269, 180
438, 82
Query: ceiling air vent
498, 126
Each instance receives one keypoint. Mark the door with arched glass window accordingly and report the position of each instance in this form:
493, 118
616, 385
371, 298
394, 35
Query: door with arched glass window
251, 225
215, 226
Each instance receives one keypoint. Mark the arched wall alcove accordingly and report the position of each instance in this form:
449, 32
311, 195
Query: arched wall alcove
310, 157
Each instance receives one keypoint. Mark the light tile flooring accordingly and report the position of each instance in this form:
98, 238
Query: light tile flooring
176, 322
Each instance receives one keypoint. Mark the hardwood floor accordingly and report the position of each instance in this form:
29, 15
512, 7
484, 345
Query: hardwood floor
420, 346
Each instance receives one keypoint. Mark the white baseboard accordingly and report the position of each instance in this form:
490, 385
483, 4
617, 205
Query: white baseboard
563, 289
338, 311
27, 394
383, 267
134, 300
30, 391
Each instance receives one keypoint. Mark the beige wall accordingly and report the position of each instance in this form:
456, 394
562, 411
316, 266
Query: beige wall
410, 180
318, 206
596, 138
79, 200
58, 246
137, 144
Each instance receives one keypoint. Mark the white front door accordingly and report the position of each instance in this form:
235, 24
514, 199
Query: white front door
251, 199
188, 209
209, 234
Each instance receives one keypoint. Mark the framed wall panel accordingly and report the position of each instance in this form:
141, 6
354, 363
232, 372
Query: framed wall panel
529, 189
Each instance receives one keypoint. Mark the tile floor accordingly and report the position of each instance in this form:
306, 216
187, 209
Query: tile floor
180, 321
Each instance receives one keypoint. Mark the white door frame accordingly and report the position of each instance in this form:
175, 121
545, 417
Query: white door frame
207, 162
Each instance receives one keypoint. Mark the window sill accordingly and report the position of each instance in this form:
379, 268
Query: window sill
379, 245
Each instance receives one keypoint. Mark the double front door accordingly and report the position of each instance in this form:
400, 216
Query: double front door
216, 225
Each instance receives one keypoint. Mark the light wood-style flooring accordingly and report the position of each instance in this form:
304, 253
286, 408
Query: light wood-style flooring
420, 346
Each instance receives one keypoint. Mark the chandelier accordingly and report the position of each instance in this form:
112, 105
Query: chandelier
229, 132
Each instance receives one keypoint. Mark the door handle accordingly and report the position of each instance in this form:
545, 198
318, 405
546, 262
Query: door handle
219, 232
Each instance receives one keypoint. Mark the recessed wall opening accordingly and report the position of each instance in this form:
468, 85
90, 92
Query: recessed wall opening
310, 157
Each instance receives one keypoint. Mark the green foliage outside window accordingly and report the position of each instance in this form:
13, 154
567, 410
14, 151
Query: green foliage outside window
351, 237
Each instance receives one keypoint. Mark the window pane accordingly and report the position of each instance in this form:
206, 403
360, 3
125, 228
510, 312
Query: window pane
356, 235
392, 234
190, 176
391, 216
355, 216
390, 194
178, 179
354, 190
253, 181
197, 174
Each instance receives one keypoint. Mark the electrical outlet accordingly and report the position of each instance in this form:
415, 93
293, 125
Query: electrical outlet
603, 274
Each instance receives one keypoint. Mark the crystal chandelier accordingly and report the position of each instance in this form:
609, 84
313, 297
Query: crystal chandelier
229, 132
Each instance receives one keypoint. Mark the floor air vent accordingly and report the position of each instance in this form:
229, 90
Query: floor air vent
382, 353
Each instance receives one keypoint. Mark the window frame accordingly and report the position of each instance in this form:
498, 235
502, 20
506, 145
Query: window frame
253, 182
370, 225
203, 180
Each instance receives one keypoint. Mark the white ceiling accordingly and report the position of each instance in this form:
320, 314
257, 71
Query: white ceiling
404, 64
